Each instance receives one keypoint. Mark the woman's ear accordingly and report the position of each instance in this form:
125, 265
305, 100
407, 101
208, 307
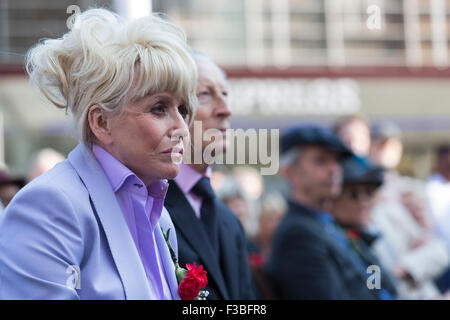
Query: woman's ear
100, 125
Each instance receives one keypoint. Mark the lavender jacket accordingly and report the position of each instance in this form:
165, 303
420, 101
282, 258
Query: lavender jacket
64, 236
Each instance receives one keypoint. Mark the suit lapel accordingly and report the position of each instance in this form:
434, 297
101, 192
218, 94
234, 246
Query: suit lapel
169, 267
186, 223
121, 243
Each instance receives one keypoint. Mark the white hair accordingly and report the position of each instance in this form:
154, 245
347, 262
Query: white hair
96, 63
290, 157
231, 189
43, 161
271, 202
200, 56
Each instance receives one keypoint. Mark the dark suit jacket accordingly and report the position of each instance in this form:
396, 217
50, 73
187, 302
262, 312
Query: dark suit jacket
366, 253
308, 263
228, 278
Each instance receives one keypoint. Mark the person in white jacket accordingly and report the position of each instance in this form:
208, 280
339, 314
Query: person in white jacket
411, 252
438, 192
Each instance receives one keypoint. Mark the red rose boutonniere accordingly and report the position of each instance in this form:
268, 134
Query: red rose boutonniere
256, 260
191, 282
353, 236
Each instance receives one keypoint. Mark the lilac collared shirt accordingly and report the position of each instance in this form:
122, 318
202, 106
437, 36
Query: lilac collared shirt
186, 179
141, 207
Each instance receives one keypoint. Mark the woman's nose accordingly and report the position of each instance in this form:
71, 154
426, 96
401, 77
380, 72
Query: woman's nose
179, 127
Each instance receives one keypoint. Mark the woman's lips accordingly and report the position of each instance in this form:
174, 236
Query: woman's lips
175, 154
174, 150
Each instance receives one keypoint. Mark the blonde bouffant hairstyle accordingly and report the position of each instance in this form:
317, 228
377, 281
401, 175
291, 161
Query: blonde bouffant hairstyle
97, 60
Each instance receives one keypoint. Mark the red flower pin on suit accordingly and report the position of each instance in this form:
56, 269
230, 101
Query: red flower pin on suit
191, 282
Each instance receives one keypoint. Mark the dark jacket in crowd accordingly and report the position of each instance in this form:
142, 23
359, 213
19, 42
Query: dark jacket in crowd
361, 243
310, 262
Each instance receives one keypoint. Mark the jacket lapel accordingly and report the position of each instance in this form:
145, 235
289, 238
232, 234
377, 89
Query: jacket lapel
186, 223
169, 267
121, 243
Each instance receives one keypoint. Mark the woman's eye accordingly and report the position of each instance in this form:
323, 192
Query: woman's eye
159, 108
225, 93
183, 111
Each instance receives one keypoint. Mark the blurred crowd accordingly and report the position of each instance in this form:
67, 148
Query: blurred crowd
399, 224
10, 184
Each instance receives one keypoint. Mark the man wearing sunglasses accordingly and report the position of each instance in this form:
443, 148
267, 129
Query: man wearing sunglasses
351, 210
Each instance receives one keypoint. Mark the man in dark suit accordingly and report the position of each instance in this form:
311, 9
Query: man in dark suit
310, 258
208, 232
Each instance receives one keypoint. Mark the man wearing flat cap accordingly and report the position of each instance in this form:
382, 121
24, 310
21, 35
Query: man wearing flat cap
309, 261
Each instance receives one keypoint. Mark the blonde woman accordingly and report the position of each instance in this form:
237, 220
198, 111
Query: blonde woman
90, 228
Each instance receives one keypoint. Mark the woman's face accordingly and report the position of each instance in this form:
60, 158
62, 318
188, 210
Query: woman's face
149, 137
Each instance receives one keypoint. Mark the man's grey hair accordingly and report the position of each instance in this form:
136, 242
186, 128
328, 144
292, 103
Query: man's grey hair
290, 157
198, 56
230, 189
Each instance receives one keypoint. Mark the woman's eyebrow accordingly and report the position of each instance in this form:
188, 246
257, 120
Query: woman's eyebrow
165, 98
157, 97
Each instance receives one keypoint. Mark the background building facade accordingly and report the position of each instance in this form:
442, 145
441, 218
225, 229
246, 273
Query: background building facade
288, 61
